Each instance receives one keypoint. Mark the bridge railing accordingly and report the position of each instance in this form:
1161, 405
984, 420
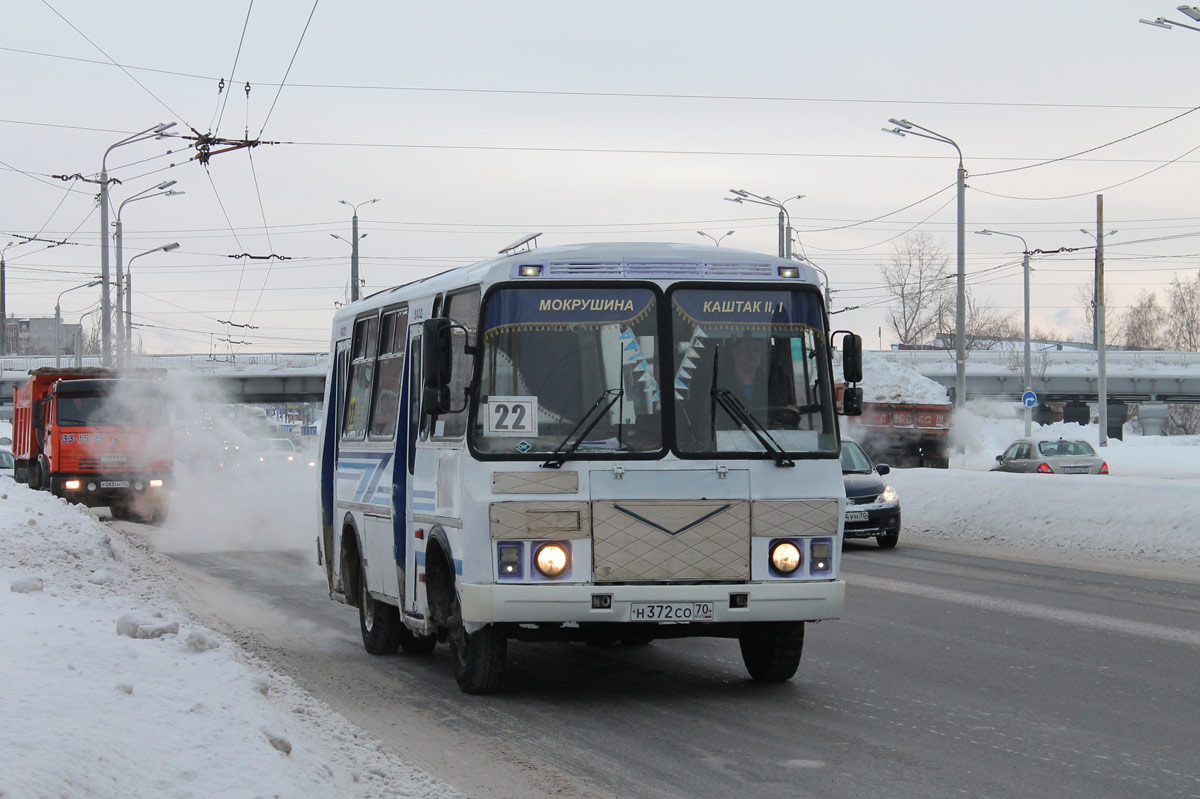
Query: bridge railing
192, 362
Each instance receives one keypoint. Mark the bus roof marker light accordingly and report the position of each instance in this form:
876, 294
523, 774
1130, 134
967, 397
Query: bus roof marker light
789, 271
530, 270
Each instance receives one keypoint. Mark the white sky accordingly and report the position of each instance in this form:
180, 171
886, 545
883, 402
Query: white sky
1013, 83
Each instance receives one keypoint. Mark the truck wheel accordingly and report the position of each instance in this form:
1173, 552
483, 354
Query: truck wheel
380, 622
888, 540
479, 656
771, 650
31, 475
19, 472
43, 468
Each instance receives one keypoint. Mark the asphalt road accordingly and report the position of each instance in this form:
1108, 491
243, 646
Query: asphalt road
950, 675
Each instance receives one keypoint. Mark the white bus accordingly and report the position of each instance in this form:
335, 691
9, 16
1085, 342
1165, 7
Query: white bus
603, 442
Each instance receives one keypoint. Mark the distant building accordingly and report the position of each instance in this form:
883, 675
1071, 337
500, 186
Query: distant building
35, 336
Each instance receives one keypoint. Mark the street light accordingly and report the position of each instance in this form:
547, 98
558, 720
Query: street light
3, 311
58, 319
1028, 367
716, 241
159, 131
129, 296
785, 231
906, 128
162, 189
1163, 22
1098, 320
354, 237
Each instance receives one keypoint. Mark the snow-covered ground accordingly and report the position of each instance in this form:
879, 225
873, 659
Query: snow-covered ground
111, 689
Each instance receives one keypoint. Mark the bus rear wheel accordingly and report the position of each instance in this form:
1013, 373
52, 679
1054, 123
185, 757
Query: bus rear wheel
771, 650
479, 656
380, 622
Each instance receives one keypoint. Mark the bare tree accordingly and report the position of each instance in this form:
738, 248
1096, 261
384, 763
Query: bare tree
987, 328
1142, 325
1183, 315
918, 281
1085, 295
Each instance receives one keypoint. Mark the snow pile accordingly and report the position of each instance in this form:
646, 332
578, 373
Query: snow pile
884, 381
110, 689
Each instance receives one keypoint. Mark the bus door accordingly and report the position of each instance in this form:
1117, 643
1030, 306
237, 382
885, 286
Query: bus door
334, 408
420, 500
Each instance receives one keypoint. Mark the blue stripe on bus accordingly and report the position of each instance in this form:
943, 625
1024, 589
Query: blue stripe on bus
420, 559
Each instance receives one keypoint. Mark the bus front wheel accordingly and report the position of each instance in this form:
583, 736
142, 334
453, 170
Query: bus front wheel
380, 622
479, 656
771, 650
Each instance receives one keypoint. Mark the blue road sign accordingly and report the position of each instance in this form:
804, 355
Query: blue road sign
1029, 399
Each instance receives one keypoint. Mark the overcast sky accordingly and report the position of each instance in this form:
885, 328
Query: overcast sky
477, 122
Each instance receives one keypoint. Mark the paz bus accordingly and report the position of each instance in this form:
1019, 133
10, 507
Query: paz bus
605, 442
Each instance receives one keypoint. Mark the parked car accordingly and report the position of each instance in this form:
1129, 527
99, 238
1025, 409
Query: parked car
6, 462
872, 506
1050, 457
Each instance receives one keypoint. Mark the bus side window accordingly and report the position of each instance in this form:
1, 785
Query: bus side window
462, 308
388, 373
362, 374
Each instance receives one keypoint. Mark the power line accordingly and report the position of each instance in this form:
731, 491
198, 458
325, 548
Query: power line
289, 68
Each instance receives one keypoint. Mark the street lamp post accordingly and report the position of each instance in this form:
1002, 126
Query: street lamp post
3, 310
129, 297
1028, 367
156, 132
354, 237
717, 240
1098, 320
162, 189
785, 219
58, 319
905, 128
1162, 22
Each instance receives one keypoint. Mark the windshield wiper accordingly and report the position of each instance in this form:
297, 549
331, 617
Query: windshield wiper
734, 407
566, 448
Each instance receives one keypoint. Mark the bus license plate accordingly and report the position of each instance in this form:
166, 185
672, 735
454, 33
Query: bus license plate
856, 516
114, 484
671, 611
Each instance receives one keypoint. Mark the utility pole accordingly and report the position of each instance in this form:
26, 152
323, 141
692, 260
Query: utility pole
3, 312
354, 237
1102, 382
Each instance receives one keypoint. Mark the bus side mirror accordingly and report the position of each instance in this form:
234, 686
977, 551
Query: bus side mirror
435, 365
851, 357
852, 401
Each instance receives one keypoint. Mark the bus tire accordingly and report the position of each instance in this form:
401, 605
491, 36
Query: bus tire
380, 622
478, 657
771, 650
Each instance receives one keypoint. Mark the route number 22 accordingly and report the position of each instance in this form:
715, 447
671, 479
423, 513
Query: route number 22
511, 416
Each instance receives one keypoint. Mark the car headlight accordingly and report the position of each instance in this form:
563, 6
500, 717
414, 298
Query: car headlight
785, 557
551, 560
889, 495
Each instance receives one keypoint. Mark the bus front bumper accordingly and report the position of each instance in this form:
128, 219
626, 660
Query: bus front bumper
537, 604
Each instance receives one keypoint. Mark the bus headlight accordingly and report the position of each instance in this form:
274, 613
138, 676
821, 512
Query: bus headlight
785, 557
551, 560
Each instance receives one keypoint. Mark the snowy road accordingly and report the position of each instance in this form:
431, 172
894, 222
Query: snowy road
950, 674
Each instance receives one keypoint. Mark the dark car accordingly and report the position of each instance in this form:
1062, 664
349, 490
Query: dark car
6, 461
872, 507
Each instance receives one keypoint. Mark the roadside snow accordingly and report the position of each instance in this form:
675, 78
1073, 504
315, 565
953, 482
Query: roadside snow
884, 381
110, 689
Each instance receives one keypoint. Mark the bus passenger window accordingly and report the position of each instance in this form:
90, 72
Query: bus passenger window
388, 374
362, 373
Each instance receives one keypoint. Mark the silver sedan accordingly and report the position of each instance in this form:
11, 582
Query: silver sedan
1050, 457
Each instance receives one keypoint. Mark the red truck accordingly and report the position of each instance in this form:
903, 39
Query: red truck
97, 437
905, 434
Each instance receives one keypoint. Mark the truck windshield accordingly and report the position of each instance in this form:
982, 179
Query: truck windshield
549, 353
762, 349
100, 410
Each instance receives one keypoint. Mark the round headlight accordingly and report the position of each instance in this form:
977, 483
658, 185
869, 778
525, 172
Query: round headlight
785, 557
551, 560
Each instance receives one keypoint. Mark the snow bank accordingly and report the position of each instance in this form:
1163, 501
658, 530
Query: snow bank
884, 381
110, 689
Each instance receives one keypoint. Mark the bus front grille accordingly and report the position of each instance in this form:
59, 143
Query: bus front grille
654, 540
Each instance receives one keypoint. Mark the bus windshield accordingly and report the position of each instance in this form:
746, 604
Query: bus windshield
750, 372
569, 367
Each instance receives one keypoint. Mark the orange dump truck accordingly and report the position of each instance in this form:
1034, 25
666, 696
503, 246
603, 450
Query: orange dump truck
96, 436
905, 434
